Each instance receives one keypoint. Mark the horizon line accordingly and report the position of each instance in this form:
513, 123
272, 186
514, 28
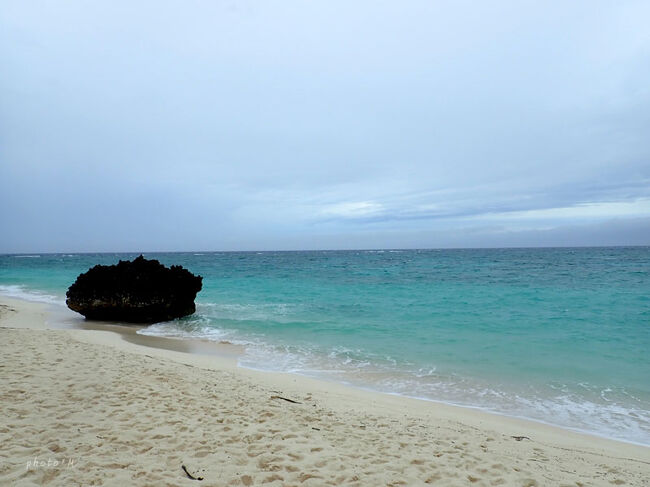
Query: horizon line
523, 247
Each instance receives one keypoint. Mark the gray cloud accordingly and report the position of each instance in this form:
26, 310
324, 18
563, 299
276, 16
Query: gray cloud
208, 125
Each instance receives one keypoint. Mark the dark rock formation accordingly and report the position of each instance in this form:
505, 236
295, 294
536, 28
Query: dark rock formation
142, 291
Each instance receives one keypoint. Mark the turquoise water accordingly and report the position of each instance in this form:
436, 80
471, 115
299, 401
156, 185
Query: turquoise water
556, 335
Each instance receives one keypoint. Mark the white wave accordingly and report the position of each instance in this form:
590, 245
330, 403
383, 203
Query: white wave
21, 292
172, 329
26, 256
428, 372
278, 312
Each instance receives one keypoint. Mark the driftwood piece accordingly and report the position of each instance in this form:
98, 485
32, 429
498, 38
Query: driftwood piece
519, 438
189, 475
285, 399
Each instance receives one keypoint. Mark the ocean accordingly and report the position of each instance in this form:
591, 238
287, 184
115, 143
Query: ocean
560, 335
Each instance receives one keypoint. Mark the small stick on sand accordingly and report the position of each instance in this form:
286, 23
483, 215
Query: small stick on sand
189, 474
285, 399
519, 438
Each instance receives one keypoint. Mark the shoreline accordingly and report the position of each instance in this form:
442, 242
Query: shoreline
476, 436
63, 318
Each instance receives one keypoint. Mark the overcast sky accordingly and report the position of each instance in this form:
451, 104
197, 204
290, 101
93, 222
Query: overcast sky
241, 125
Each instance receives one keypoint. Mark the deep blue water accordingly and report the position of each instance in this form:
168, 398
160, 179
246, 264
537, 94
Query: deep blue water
556, 335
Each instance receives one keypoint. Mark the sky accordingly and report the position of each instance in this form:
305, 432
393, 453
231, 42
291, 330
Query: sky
280, 125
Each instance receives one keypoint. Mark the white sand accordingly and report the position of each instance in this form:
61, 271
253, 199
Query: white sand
112, 412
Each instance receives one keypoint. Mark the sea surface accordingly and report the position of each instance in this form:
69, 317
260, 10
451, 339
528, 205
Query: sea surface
560, 335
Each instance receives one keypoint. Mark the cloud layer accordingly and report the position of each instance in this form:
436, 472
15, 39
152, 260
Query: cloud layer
287, 125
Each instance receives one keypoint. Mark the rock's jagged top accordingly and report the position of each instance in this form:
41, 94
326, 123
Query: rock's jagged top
138, 291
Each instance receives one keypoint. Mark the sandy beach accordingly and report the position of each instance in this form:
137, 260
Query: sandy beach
99, 407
